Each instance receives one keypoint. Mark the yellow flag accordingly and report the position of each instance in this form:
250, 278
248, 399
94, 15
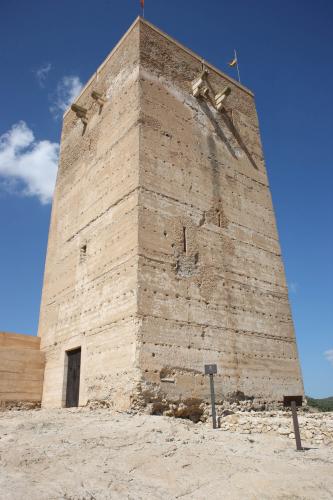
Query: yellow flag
233, 62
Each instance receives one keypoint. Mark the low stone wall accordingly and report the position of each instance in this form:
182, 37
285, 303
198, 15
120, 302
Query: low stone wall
315, 428
21, 369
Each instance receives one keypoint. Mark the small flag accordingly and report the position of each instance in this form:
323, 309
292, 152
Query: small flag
142, 3
234, 62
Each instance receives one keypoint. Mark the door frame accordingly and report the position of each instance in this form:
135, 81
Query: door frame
65, 379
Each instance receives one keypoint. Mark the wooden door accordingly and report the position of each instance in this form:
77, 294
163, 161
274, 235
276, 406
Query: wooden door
73, 377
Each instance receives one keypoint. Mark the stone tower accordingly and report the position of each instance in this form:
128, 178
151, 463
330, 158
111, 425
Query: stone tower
163, 251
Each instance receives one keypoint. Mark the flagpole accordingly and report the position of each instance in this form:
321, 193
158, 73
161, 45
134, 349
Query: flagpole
142, 3
237, 66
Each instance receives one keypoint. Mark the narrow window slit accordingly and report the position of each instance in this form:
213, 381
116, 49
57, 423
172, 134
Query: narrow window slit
184, 240
83, 252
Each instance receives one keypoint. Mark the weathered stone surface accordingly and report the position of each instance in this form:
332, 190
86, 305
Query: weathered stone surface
21, 370
163, 251
314, 427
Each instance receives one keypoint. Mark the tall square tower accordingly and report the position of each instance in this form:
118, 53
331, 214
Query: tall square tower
163, 251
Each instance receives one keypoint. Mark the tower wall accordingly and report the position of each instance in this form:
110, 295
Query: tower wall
163, 251
212, 287
90, 286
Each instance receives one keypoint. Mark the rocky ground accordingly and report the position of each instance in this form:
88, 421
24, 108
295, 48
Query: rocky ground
99, 454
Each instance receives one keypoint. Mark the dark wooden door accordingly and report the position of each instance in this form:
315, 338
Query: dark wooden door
73, 377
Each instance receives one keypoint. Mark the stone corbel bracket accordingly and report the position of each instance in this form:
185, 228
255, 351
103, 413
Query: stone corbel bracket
99, 98
221, 97
199, 85
80, 113
202, 89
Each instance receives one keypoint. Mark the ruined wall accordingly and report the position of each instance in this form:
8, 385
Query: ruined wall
212, 287
21, 368
90, 285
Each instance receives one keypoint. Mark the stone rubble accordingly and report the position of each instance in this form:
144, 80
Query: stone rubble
315, 428
244, 417
19, 405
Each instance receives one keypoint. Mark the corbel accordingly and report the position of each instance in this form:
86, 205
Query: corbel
221, 97
99, 98
80, 113
199, 85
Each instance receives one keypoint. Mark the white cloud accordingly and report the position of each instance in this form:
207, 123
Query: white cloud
28, 164
329, 355
42, 72
67, 90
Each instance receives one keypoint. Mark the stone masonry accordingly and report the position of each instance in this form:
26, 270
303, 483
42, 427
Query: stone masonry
21, 370
163, 250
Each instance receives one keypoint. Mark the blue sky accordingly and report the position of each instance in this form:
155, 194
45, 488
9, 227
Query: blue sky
285, 52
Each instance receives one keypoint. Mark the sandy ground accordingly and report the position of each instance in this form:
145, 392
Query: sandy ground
82, 454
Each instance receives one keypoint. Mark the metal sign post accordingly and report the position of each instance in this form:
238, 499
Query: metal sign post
211, 370
292, 402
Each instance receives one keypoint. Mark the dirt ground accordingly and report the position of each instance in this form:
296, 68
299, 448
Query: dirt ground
98, 454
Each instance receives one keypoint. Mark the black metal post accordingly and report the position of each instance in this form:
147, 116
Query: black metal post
212, 397
296, 426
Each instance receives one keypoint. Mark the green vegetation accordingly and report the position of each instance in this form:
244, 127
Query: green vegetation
325, 404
